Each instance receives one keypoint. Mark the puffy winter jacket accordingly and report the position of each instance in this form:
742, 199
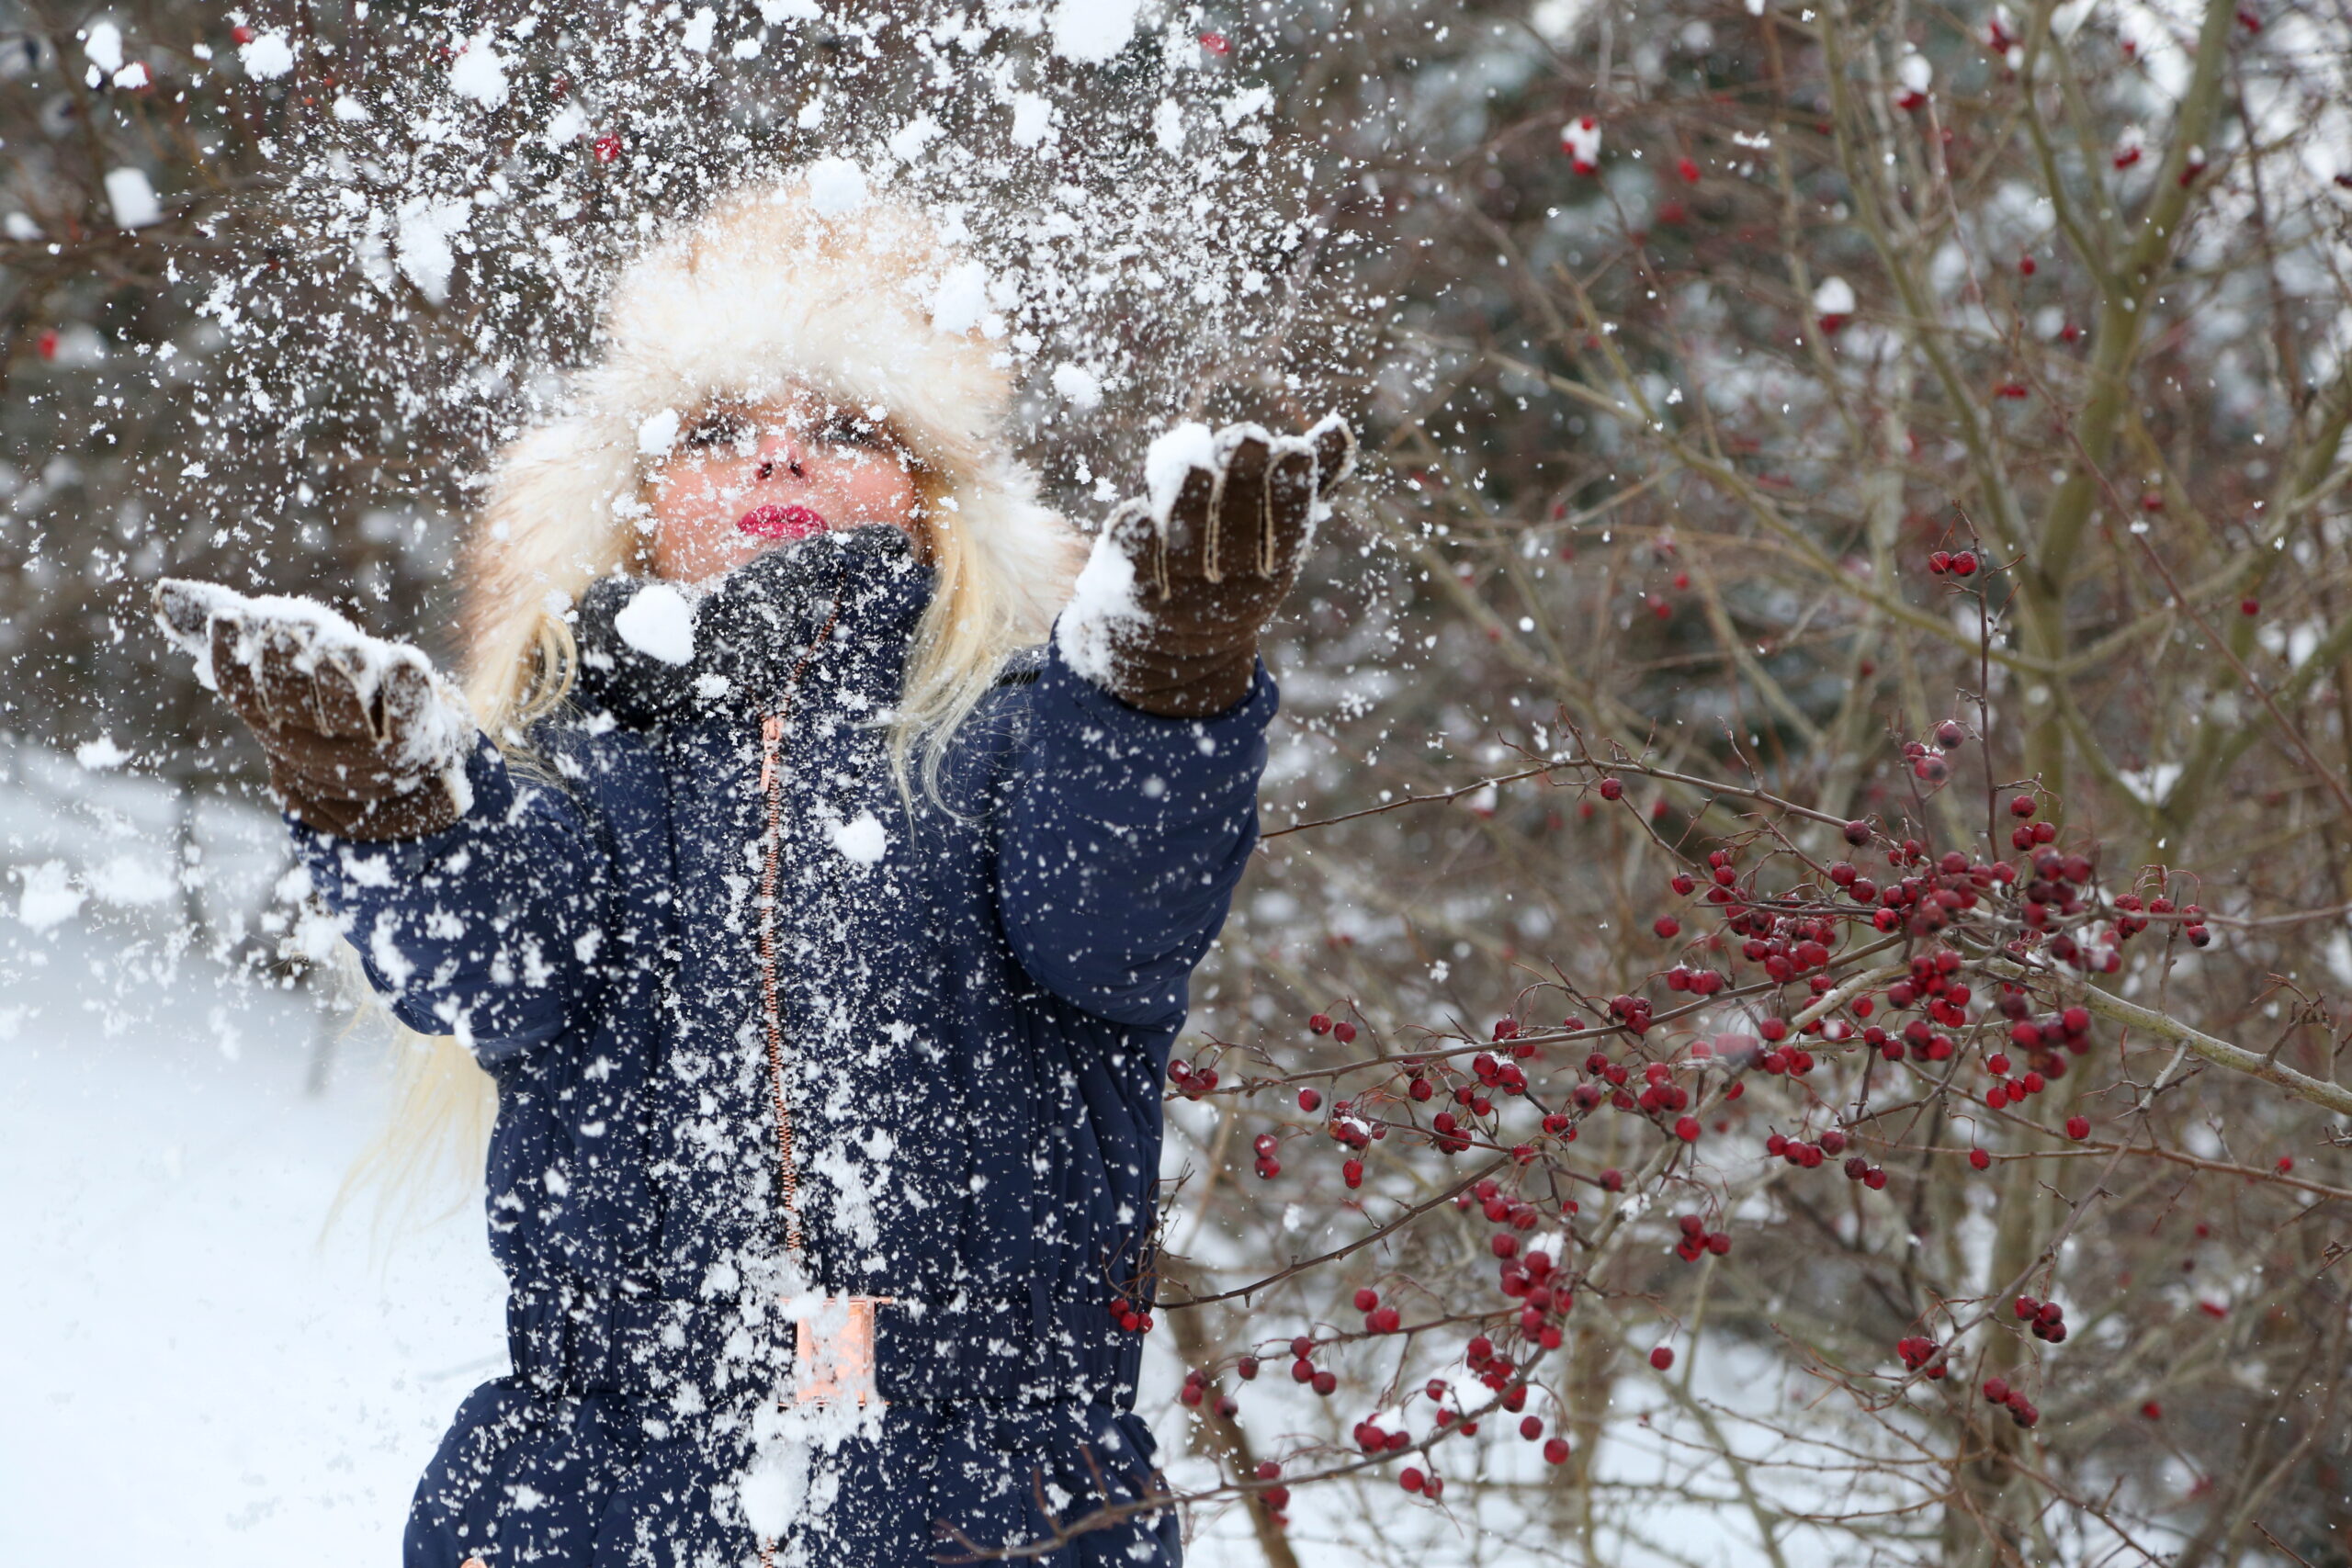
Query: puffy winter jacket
707, 916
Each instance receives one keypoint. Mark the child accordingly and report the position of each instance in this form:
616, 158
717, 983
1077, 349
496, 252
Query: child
824, 936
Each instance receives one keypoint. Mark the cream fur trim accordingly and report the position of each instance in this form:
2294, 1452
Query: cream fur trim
758, 294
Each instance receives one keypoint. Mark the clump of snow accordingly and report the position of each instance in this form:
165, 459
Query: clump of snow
696, 36
103, 44
1091, 32
658, 623
268, 57
131, 880
1079, 386
1168, 126
350, 110
132, 198
657, 433
1032, 120
1580, 139
480, 71
862, 840
100, 755
1174, 454
962, 298
835, 186
423, 229
1103, 607
908, 143
1832, 297
49, 897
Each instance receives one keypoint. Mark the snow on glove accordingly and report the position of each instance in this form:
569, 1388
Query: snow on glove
364, 741
1166, 613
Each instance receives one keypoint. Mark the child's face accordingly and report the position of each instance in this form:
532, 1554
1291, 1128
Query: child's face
744, 477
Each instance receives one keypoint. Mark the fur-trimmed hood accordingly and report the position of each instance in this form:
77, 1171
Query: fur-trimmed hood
777, 283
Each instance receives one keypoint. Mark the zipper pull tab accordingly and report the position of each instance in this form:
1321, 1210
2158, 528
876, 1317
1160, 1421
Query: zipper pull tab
771, 731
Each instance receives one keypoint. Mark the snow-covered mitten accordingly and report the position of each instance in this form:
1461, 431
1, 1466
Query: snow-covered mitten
364, 741
1166, 613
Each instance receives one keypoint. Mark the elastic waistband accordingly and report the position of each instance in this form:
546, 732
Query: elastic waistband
575, 1339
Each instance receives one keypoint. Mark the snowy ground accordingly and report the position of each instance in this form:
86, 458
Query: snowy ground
194, 1373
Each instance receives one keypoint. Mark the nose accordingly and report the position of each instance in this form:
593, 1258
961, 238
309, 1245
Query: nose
780, 449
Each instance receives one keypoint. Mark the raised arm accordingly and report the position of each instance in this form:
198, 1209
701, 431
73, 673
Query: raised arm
477, 906
1133, 803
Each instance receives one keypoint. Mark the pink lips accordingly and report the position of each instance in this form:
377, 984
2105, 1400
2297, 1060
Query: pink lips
774, 522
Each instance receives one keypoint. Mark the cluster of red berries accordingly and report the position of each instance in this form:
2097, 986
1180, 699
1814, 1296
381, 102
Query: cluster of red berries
1303, 1370
1277, 1497
1697, 1240
1633, 1013
1193, 1084
1938, 888
1124, 1314
1264, 1146
1809, 1156
1544, 1297
1495, 1369
1195, 1394
1377, 1319
1372, 1440
1694, 982
1921, 1354
1320, 1023
2132, 920
2047, 1319
2021, 1409
1959, 563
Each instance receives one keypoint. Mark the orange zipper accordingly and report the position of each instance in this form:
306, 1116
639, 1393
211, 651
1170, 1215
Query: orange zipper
771, 849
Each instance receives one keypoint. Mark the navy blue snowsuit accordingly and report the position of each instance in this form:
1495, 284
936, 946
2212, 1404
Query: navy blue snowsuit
970, 1017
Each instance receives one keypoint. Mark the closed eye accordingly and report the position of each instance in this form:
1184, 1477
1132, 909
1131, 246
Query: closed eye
852, 430
719, 428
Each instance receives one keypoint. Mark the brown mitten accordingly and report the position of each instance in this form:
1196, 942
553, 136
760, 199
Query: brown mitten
363, 740
1166, 613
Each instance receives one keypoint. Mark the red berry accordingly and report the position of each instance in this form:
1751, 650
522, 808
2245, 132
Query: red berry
1343, 1032
2249, 606
1964, 563
1689, 169
1318, 1024
2078, 1128
1310, 1099
1980, 1159
1667, 927
607, 148
1411, 1479
1612, 789
1662, 1358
